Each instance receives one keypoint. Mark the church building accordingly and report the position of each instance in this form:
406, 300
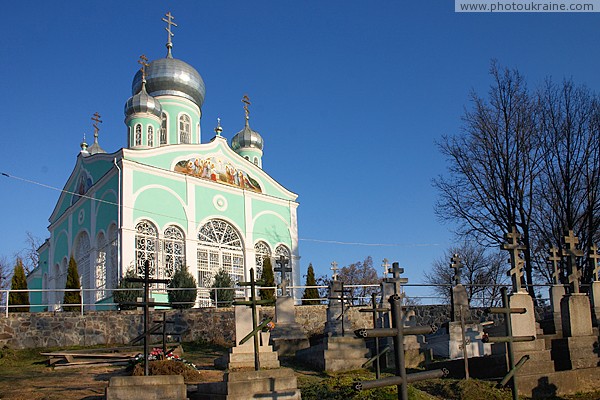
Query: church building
168, 198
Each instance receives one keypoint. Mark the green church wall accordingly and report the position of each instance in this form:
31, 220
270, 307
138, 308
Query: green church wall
142, 179
173, 108
170, 210
61, 246
273, 229
211, 202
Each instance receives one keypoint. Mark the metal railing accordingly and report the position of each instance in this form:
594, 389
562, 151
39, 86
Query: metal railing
204, 297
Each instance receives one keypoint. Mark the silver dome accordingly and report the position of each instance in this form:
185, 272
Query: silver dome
143, 102
170, 76
247, 138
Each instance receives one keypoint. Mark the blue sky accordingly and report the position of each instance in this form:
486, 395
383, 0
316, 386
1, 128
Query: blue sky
349, 96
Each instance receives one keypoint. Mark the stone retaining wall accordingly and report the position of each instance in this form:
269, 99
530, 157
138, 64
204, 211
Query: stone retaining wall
61, 329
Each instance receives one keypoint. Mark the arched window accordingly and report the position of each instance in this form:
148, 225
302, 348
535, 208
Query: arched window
256, 161
163, 129
138, 135
262, 250
219, 247
100, 274
185, 128
112, 279
150, 136
82, 257
146, 238
174, 250
282, 250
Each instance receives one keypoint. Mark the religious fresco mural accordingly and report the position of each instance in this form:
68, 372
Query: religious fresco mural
83, 184
216, 170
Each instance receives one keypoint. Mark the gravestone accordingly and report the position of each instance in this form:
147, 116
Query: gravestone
594, 259
335, 352
288, 336
450, 341
242, 355
557, 290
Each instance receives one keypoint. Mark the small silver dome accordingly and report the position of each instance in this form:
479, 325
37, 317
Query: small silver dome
247, 138
143, 102
170, 76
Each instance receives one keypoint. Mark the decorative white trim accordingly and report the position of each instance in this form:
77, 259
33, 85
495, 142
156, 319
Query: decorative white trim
220, 202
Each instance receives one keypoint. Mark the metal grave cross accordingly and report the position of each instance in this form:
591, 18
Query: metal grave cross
594, 257
147, 303
571, 252
253, 303
282, 268
334, 268
516, 262
395, 279
457, 265
555, 260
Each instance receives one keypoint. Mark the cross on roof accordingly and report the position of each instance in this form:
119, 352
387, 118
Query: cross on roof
282, 268
571, 252
555, 259
334, 268
516, 262
170, 34
143, 61
386, 265
457, 265
594, 257
97, 120
246, 101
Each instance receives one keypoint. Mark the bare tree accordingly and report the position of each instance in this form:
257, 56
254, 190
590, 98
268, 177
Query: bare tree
29, 254
492, 166
360, 273
568, 193
482, 271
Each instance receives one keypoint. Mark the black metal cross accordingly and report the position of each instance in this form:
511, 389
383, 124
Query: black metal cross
147, 303
282, 268
571, 252
516, 262
594, 257
254, 303
457, 265
555, 259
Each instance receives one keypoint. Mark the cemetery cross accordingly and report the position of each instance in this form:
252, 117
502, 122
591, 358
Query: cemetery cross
555, 260
514, 247
571, 252
594, 257
282, 268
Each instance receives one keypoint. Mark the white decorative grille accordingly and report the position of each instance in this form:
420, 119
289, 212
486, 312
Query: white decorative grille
145, 248
102, 246
185, 128
163, 129
174, 250
262, 250
150, 136
82, 257
219, 247
138, 135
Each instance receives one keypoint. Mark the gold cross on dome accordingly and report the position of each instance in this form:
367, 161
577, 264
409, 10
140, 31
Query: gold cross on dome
246, 101
169, 21
143, 61
97, 120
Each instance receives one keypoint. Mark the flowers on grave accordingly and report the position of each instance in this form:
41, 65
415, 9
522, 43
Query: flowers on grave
157, 355
269, 326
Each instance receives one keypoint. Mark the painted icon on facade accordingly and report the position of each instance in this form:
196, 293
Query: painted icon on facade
216, 170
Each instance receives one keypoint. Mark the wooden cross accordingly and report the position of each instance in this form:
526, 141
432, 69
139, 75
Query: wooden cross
334, 268
96, 119
386, 265
143, 61
282, 268
457, 265
594, 257
246, 101
516, 262
555, 259
170, 34
572, 253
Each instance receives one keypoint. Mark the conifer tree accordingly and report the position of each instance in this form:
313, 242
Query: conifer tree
311, 294
182, 298
268, 280
223, 298
128, 292
18, 282
72, 297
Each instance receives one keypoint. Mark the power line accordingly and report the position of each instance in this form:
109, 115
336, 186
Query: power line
325, 241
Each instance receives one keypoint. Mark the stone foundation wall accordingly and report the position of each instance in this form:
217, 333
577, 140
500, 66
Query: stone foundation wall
61, 329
